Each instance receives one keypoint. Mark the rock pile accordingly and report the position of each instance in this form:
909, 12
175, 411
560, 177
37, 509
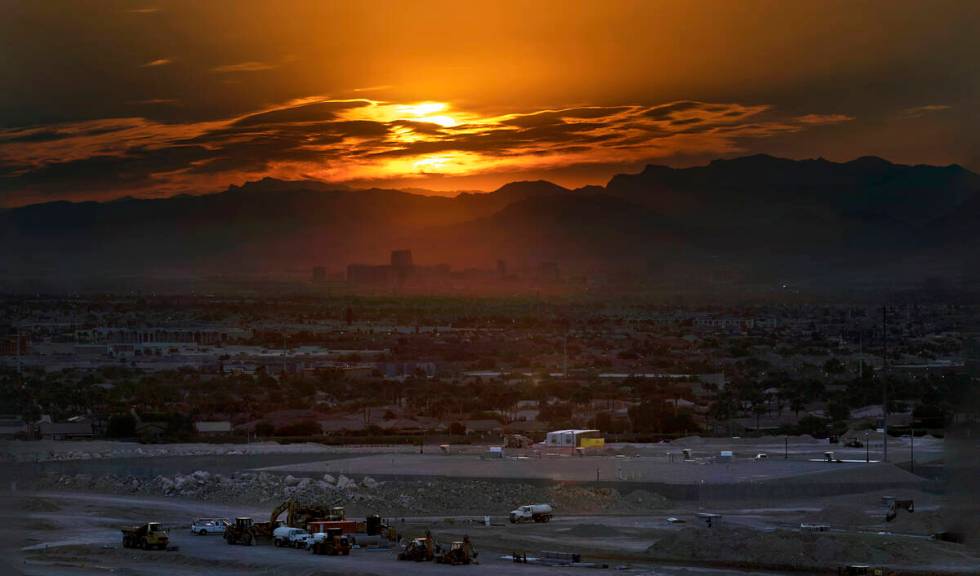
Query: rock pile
367, 495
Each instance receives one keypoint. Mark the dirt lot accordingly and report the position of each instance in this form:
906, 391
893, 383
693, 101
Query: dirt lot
66, 520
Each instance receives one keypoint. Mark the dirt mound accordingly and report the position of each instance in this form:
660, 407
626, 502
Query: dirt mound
841, 516
789, 548
39, 505
593, 531
925, 522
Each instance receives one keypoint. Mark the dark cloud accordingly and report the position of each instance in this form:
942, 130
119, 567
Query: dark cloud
361, 139
311, 112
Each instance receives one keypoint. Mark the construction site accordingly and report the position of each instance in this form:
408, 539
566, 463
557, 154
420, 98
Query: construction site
714, 506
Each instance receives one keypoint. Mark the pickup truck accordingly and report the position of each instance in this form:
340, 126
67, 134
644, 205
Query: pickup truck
291, 537
147, 536
205, 526
531, 513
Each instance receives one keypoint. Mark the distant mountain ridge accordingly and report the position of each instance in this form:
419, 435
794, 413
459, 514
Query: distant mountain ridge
756, 218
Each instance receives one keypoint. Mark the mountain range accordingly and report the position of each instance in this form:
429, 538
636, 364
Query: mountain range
751, 219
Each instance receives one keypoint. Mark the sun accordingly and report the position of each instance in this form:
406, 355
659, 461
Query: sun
422, 108
427, 112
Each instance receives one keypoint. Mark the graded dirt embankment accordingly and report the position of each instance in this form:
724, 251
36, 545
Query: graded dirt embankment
365, 495
57, 450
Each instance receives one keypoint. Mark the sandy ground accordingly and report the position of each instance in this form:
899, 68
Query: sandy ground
68, 532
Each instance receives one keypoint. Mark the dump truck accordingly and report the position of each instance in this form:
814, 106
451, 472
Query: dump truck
531, 513
146, 536
460, 552
333, 542
284, 536
418, 549
373, 530
241, 532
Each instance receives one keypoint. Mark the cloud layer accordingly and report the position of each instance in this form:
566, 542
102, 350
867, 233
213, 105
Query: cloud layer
362, 140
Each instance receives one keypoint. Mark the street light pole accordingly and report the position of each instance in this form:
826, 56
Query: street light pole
884, 382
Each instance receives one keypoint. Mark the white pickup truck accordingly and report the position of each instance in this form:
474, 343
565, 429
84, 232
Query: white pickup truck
531, 513
291, 537
205, 526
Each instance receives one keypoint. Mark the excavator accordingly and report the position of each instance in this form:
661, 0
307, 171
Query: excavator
297, 516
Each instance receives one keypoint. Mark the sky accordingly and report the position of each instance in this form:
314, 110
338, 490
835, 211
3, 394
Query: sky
104, 99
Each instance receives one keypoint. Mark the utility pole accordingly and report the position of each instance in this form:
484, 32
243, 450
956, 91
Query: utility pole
912, 451
884, 382
564, 348
19, 371
861, 356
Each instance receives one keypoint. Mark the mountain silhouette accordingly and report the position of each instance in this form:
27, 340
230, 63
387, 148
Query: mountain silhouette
754, 219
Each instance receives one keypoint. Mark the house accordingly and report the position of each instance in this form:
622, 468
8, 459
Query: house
65, 430
342, 424
151, 430
13, 427
486, 426
212, 428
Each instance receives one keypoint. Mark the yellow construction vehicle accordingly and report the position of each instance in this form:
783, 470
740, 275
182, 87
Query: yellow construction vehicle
299, 515
146, 536
419, 549
241, 532
333, 542
460, 552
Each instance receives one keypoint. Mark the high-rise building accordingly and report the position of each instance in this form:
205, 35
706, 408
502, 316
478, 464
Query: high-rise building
501, 269
401, 259
319, 274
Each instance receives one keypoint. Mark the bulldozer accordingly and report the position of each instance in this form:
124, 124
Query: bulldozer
241, 532
419, 549
460, 552
333, 542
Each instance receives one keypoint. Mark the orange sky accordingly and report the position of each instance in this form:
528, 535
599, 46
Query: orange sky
148, 98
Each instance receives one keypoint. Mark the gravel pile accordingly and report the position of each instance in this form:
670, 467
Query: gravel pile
366, 495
